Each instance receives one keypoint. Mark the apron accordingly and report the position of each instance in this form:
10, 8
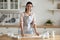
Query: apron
27, 28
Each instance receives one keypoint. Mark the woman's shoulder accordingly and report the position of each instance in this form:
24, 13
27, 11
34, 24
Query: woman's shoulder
32, 13
22, 13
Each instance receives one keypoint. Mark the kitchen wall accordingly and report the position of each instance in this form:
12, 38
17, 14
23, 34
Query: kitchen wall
41, 12
9, 15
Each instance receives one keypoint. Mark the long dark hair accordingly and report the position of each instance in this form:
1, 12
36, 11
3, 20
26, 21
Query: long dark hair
27, 4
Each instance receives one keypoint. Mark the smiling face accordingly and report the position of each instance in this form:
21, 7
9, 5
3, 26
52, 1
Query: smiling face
29, 7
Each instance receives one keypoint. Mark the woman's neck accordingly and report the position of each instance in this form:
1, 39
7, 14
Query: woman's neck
28, 13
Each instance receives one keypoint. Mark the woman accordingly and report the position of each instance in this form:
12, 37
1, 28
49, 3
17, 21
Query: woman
26, 20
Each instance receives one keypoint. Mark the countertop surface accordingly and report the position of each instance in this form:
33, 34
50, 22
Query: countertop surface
57, 37
28, 37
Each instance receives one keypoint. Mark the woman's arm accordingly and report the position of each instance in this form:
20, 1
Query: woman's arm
21, 24
34, 26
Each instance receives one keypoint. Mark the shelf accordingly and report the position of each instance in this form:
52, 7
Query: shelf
54, 9
53, 1
14, 25
9, 10
48, 26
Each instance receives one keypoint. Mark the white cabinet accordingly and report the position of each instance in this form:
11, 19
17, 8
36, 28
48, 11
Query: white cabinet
9, 4
55, 8
11, 9
3, 4
12, 4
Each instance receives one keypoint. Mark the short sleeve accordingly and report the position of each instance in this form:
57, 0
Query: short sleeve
21, 17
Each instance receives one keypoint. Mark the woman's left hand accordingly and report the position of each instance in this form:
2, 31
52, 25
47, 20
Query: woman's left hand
37, 33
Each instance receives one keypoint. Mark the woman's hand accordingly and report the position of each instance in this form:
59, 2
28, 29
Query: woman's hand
37, 33
22, 35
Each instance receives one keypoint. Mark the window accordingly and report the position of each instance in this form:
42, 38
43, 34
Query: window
1, 0
14, 4
4, 0
3, 4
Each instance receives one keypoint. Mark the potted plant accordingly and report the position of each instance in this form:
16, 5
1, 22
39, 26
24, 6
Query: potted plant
48, 22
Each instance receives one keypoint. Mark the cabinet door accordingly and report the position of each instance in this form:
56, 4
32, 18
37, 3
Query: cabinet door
3, 4
13, 4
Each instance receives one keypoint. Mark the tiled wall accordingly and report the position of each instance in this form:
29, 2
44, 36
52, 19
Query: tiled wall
10, 15
40, 30
9, 30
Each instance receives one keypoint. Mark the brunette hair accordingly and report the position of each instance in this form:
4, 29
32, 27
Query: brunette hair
27, 4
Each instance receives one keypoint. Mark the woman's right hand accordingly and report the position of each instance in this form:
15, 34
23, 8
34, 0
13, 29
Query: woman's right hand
37, 33
22, 35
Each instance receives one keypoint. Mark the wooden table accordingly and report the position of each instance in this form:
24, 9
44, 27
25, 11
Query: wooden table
29, 37
57, 37
5, 37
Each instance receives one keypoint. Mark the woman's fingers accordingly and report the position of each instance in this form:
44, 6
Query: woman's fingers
37, 34
22, 35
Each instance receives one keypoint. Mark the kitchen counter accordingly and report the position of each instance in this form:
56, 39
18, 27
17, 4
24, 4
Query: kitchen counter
57, 37
28, 37
5, 37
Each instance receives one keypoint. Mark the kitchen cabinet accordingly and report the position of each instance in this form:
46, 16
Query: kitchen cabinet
12, 4
10, 9
56, 8
9, 4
